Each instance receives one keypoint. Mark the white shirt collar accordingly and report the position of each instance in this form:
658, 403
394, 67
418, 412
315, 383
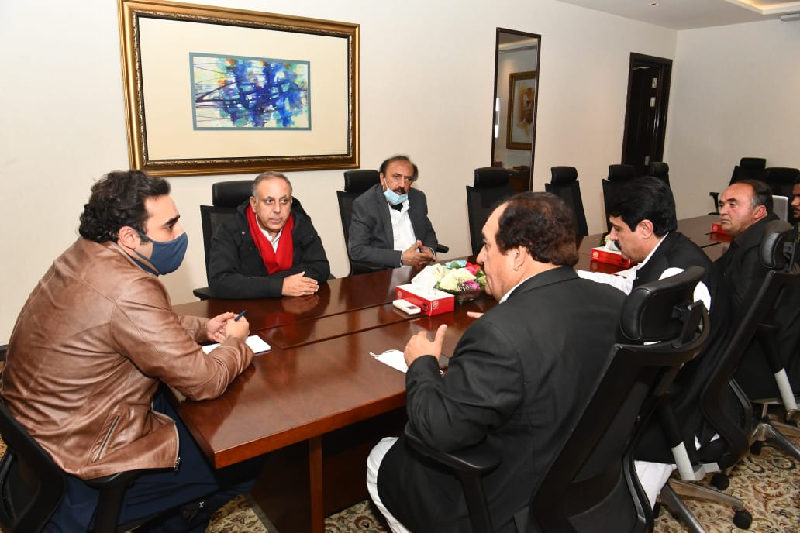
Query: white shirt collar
506, 295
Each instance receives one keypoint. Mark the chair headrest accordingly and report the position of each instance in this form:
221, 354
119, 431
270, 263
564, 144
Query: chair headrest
755, 163
659, 169
563, 175
643, 312
621, 172
361, 179
230, 193
490, 177
786, 175
771, 251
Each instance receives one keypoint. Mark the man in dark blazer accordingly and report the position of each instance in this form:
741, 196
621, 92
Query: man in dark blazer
746, 208
518, 379
390, 226
644, 227
269, 248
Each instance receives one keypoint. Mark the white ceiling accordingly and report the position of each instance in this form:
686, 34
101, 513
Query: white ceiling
688, 14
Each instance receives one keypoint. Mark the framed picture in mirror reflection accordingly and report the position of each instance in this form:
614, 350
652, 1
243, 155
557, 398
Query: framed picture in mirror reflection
521, 110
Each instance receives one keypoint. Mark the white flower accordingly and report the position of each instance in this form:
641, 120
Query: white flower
452, 278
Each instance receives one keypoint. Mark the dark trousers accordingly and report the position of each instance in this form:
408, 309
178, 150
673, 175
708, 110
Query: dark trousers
162, 493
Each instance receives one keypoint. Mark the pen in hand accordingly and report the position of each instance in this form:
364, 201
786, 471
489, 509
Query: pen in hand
240, 315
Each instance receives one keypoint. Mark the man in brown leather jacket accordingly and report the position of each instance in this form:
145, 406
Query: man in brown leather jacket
91, 348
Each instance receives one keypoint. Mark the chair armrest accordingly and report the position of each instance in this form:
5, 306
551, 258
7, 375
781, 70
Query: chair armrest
112, 492
469, 465
202, 293
473, 461
442, 249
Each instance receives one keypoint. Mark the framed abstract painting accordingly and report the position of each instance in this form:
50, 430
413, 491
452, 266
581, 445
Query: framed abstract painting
521, 110
211, 90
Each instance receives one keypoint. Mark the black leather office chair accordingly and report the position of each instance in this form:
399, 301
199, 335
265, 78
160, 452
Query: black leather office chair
226, 196
722, 403
357, 182
591, 486
564, 184
660, 170
491, 186
749, 168
781, 180
767, 338
32, 485
618, 176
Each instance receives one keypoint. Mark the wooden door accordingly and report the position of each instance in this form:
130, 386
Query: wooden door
646, 113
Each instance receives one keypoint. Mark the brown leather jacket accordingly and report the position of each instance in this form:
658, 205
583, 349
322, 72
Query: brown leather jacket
87, 353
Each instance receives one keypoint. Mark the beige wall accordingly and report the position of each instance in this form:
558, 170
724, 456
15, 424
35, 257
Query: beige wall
735, 93
426, 90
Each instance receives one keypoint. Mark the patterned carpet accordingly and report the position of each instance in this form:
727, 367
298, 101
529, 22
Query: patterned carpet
768, 483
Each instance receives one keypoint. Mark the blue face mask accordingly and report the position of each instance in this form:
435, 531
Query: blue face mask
394, 198
166, 256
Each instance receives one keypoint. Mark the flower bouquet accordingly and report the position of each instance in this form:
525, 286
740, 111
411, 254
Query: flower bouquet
466, 281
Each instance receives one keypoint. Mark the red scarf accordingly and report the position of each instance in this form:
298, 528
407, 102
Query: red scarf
274, 261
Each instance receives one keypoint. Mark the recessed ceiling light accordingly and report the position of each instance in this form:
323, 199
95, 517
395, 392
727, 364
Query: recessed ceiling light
653, 3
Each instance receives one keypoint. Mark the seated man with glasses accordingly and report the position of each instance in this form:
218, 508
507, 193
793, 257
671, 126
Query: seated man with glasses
390, 226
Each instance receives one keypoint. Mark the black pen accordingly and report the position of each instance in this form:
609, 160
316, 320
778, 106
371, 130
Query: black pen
240, 315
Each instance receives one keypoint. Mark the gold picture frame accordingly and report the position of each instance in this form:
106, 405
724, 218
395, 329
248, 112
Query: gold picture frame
520, 126
157, 40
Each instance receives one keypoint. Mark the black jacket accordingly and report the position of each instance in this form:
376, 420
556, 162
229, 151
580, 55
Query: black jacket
743, 274
517, 382
740, 267
236, 270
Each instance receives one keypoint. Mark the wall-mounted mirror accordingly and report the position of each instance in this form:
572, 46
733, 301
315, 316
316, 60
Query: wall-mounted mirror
516, 93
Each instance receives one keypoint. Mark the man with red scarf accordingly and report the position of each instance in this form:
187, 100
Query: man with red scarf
269, 249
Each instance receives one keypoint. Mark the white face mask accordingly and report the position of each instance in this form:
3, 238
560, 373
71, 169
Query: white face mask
394, 198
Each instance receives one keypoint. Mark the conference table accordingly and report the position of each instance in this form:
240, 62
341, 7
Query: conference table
316, 403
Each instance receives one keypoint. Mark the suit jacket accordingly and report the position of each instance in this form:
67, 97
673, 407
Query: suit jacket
677, 251
236, 269
518, 381
371, 237
89, 349
740, 267
743, 273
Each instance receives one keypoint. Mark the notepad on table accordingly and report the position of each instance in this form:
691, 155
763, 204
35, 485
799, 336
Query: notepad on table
393, 358
256, 343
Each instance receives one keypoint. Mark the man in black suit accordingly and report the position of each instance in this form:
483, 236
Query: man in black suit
390, 226
745, 209
518, 380
644, 227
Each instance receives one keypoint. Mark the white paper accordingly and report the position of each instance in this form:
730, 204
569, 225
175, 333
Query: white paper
256, 343
393, 358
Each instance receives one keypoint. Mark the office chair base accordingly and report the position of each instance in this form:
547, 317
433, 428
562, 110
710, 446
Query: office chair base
768, 432
671, 499
678, 509
790, 430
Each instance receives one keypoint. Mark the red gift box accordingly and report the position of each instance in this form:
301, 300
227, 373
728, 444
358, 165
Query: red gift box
431, 302
613, 258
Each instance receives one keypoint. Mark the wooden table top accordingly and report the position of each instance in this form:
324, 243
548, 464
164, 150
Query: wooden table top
294, 393
337, 296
